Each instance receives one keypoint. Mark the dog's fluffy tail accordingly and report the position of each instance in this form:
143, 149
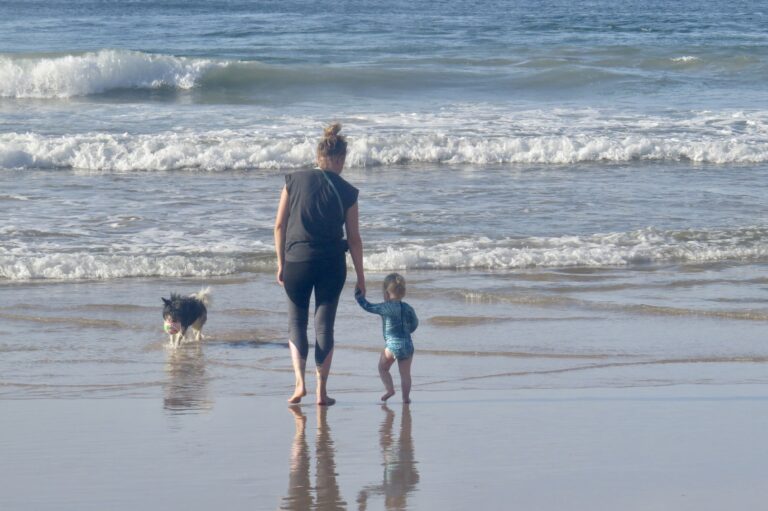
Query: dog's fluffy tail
204, 295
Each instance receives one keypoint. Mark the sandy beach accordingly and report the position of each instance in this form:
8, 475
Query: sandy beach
532, 405
682, 448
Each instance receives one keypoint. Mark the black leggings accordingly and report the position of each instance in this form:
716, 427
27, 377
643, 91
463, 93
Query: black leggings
326, 277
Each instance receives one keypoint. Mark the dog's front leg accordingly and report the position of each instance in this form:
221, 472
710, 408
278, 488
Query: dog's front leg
182, 336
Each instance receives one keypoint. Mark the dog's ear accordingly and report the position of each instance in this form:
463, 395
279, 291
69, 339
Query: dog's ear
167, 302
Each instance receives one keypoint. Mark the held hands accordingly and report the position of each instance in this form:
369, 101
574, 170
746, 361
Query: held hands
360, 289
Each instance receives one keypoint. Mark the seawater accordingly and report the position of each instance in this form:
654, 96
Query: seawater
576, 193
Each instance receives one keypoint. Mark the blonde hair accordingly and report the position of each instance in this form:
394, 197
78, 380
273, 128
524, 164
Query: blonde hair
394, 285
332, 145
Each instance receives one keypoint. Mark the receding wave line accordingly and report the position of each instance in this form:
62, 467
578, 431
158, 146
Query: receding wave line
459, 321
500, 354
79, 322
635, 309
465, 320
610, 365
675, 311
84, 386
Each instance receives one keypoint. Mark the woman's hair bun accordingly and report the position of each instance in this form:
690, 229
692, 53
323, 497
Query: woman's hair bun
332, 144
333, 130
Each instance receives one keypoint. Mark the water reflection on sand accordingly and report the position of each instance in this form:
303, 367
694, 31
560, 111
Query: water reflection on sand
186, 389
400, 475
399, 478
301, 495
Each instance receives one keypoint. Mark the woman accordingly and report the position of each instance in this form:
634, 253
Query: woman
315, 208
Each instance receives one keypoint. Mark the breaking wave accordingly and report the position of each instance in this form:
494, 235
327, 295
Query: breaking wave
95, 73
641, 247
645, 246
239, 150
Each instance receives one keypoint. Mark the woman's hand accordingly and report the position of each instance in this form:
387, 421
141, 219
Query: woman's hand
280, 275
360, 288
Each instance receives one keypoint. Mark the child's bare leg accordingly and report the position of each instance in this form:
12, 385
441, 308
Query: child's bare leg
405, 377
299, 366
385, 362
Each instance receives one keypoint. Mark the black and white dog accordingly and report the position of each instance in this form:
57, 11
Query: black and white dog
182, 312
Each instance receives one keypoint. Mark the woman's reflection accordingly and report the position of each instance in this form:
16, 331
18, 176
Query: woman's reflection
186, 388
326, 495
400, 474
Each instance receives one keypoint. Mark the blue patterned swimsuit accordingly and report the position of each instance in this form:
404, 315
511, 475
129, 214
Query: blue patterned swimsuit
398, 321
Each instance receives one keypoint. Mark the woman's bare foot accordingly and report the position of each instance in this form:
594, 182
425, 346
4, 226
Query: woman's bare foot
387, 395
299, 393
406, 400
326, 401
298, 415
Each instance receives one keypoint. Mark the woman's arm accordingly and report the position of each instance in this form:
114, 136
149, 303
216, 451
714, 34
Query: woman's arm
281, 225
355, 242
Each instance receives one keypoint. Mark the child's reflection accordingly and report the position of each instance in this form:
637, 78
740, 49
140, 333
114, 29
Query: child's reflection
400, 474
327, 496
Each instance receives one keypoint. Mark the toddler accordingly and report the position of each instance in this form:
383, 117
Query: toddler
398, 322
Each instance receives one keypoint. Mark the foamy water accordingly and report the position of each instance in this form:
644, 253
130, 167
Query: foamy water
498, 136
176, 224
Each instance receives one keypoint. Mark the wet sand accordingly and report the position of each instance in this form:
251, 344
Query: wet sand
682, 447
524, 398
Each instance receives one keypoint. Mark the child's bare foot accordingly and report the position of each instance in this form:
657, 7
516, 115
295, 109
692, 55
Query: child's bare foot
299, 393
326, 401
387, 395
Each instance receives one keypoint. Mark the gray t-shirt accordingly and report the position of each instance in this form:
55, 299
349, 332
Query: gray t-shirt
316, 220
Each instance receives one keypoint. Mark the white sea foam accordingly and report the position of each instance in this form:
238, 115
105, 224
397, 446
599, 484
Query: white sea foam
85, 266
166, 151
551, 150
645, 246
94, 73
239, 150
686, 59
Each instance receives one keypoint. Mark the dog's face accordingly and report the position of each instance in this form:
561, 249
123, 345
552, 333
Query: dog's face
171, 311
171, 316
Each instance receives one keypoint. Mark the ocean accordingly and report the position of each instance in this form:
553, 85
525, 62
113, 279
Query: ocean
576, 192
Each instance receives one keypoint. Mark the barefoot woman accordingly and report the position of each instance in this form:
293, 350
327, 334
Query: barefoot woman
315, 208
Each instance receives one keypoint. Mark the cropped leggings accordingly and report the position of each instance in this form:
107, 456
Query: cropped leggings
326, 278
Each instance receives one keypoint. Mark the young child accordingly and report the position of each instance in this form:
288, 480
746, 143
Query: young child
398, 322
